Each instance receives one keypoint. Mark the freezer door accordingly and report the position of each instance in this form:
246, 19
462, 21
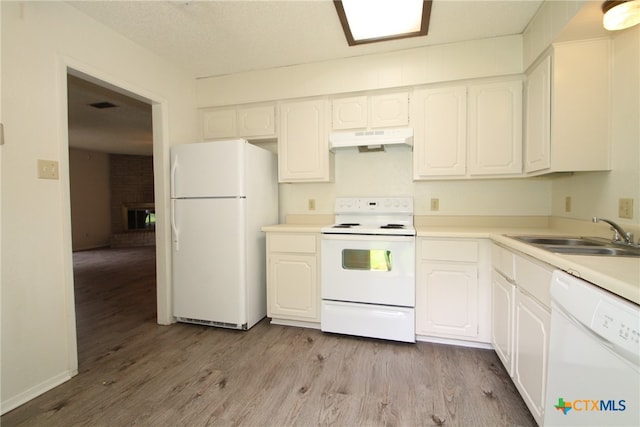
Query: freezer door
209, 282
208, 169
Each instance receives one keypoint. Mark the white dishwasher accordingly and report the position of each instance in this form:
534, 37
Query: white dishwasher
594, 356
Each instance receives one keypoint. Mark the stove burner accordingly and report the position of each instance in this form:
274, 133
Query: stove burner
346, 225
393, 226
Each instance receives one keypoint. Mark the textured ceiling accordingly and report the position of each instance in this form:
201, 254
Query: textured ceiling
210, 38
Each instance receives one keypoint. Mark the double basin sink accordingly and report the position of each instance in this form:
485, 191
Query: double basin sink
581, 245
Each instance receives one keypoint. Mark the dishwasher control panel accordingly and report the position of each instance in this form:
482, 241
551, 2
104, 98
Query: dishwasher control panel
617, 325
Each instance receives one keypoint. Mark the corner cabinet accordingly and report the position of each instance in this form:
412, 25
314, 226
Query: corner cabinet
303, 141
293, 281
452, 289
567, 109
468, 131
247, 121
521, 318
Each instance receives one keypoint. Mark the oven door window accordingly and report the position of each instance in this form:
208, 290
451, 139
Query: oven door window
366, 259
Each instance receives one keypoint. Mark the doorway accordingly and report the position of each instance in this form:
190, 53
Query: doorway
110, 142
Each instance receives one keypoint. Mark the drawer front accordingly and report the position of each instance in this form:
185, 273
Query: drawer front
534, 278
292, 242
449, 250
503, 261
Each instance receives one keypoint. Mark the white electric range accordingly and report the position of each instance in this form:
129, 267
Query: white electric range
368, 269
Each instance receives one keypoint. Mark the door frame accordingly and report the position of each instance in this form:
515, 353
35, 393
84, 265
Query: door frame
159, 111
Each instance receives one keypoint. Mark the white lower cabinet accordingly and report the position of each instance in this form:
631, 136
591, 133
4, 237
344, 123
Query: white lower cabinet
452, 293
293, 282
521, 317
531, 348
502, 306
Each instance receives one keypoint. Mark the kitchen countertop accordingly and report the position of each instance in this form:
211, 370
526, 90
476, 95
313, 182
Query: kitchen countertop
619, 275
293, 228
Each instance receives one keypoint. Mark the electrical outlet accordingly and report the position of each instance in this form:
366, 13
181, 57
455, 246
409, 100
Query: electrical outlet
47, 169
567, 204
312, 204
435, 204
625, 208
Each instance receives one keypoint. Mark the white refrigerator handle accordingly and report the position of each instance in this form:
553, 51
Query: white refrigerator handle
174, 228
174, 167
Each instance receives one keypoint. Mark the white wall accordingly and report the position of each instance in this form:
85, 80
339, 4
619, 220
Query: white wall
390, 173
432, 64
89, 179
597, 193
545, 27
39, 41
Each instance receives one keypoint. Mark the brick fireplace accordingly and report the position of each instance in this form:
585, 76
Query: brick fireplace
132, 201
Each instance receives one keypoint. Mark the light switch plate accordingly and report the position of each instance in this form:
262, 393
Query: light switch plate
47, 169
435, 204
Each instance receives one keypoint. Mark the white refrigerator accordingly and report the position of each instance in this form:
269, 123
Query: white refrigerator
222, 193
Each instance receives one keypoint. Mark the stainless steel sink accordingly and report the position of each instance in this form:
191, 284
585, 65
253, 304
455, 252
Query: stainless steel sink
596, 250
580, 245
561, 241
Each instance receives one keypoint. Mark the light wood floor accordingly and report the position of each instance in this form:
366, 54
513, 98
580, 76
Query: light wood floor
135, 372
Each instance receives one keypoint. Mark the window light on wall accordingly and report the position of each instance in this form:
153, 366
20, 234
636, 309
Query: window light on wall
370, 21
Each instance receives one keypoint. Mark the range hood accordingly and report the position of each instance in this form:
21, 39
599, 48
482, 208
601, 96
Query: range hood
371, 140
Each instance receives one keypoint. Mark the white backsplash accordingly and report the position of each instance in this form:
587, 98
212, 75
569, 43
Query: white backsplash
390, 174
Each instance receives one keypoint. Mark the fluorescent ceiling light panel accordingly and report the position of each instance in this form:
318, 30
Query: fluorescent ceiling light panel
368, 21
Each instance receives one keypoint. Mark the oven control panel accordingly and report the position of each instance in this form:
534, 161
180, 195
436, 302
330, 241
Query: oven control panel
382, 205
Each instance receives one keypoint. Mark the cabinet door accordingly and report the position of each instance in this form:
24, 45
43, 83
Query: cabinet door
447, 300
256, 121
502, 304
219, 124
303, 143
495, 129
538, 117
530, 352
439, 117
389, 110
293, 287
349, 113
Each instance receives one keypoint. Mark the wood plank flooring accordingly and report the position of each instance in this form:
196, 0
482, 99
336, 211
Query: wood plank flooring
135, 372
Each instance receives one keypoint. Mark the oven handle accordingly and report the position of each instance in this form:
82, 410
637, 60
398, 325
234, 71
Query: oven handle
368, 237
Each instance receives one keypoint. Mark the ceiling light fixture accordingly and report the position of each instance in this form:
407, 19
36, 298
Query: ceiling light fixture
102, 105
370, 21
620, 14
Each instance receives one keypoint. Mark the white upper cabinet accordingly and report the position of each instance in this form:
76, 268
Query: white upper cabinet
495, 128
350, 112
250, 122
538, 111
303, 141
439, 120
257, 121
219, 123
567, 109
370, 111
467, 131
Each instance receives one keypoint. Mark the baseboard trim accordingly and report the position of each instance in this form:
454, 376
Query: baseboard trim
33, 392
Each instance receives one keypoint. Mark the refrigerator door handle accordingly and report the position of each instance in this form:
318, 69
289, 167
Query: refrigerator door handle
174, 228
174, 167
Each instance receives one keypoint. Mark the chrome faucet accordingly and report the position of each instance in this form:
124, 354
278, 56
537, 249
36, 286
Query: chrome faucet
619, 231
